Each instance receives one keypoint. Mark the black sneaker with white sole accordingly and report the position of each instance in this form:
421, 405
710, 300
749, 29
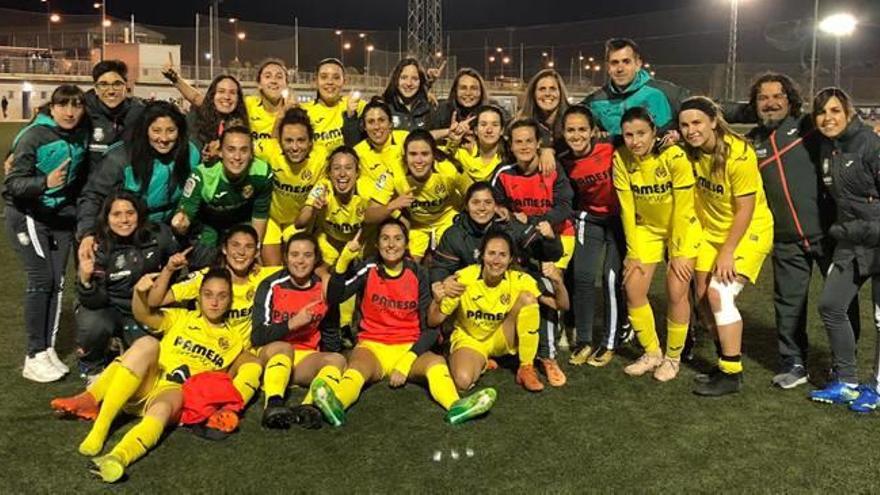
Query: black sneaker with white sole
792, 377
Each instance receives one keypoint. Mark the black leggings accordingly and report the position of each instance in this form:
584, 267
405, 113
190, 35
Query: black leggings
95, 328
591, 240
43, 251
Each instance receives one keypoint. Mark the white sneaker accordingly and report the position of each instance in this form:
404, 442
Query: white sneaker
56, 361
40, 369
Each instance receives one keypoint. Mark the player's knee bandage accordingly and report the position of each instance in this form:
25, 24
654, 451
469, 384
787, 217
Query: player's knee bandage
728, 314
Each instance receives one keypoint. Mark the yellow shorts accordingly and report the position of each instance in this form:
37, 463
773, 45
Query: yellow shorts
423, 238
387, 354
329, 249
748, 257
139, 403
300, 354
567, 250
653, 247
275, 234
495, 345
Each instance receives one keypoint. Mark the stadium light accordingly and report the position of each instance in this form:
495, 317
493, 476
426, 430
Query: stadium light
232, 20
838, 25
106, 23
369, 49
55, 18
240, 36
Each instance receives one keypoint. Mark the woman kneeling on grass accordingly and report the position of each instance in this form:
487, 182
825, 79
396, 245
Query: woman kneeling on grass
394, 338
147, 380
497, 313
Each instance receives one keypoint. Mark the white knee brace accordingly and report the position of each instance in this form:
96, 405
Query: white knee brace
727, 293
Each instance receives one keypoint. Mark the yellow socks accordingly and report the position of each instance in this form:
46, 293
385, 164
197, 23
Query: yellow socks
642, 320
98, 388
441, 386
138, 440
277, 376
350, 387
730, 364
247, 380
123, 385
527, 322
332, 376
676, 335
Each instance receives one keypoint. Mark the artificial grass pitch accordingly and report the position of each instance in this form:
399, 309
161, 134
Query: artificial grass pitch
603, 432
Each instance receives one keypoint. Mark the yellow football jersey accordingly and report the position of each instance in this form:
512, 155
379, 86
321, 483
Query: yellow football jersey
340, 221
482, 309
436, 198
327, 121
239, 317
262, 121
376, 165
292, 183
472, 163
192, 345
716, 193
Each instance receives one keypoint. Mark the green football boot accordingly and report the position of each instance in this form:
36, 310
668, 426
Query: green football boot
325, 400
470, 407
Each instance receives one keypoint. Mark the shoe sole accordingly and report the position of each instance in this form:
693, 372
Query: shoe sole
833, 402
483, 404
114, 473
796, 383
72, 414
333, 412
37, 378
533, 390
279, 420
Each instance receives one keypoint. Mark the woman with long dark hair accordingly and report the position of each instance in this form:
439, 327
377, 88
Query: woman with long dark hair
407, 95
223, 106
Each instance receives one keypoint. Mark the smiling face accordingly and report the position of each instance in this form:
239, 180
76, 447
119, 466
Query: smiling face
378, 126
162, 135
343, 173
496, 258
330, 79
122, 218
639, 137
215, 298
301, 259
226, 96
623, 65
547, 94
273, 80
467, 91
295, 143
832, 119
577, 133
772, 103
111, 89
524, 145
488, 128
240, 251
698, 129
68, 115
392, 244
481, 207
419, 159
235, 151
408, 82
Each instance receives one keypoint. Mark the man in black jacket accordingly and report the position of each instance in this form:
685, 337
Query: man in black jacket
110, 108
787, 146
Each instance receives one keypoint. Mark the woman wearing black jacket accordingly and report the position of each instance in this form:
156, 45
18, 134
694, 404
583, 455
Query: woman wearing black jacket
850, 157
129, 246
407, 95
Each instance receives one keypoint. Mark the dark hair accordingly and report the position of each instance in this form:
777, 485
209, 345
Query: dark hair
376, 102
638, 113
67, 93
789, 87
271, 61
329, 60
105, 237
496, 233
241, 228
296, 116
826, 94
425, 136
524, 122
391, 92
236, 129
480, 185
308, 237
209, 119
614, 44
343, 150
530, 106
453, 90
218, 273
143, 156
579, 110
105, 66
394, 221
722, 128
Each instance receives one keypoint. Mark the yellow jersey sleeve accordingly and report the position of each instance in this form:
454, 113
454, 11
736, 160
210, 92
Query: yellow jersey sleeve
523, 282
188, 290
743, 172
627, 205
173, 318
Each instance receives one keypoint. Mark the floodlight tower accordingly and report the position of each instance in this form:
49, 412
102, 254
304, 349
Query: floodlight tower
424, 28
